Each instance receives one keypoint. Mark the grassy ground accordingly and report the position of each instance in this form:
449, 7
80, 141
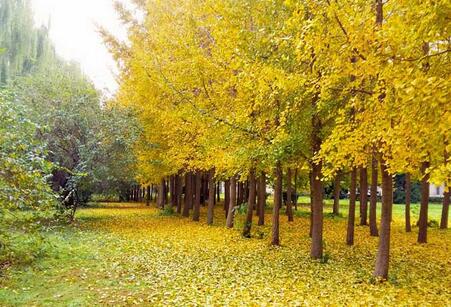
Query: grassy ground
125, 254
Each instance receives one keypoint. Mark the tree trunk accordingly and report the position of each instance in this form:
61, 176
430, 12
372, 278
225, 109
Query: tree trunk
408, 189
250, 205
383, 252
226, 197
277, 204
197, 196
317, 213
179, 191
148, 196
261, 198
445, 210
218, 192
172, 191
423, 220
161, 193
311, 204
337, 189
211, 197
188, 195
295, 190
373, 199
232, 203
363, 196
289, 198
351, 214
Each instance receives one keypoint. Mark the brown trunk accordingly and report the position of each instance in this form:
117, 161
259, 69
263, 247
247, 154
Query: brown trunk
226, 197
211, 197
289, 200
161, 194
275, 240
188, 195
337, 189
445, 210
351, 214
408, 189
148, 196
373, 199
311, 204
197, 196
261, 198
363, 196
295, 190
250, 205
423, 220
316, 251
218, 192
179, 191
173, 192
383, 252
232, 203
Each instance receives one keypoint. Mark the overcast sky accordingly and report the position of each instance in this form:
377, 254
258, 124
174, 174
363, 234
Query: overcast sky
73, 31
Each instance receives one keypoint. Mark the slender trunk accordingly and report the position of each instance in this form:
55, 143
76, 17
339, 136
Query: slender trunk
261, 198
188, 195
337, 189
197, 196
277, 204
226, 197
211, 197
295, 190
316, 251
423, 220
445, 210
351, 214
250, 205
311, 204
289, 198
179, 191
232, 203
363, 196
148, 196
166, 192
218, 192
161, 189
383, 252
172, 189
408, 189
373, 199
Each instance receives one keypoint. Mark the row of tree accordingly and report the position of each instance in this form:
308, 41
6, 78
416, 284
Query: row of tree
241, 88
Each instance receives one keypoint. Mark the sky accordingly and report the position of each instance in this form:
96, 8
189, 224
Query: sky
73, 29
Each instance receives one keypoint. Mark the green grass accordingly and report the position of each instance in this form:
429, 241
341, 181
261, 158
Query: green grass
127, 254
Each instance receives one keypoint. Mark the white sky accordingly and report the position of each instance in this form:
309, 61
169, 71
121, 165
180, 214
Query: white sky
74, 32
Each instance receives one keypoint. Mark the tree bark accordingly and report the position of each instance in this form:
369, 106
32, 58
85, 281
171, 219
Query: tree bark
408, 190
188, 195
232, 203
250, 205
211, 197
351, 214
289, 198
337, 189
383, 252
373, 199
445, 210
226, 197
148, 196
275, 240
179, 191
317, 213
363, 196
161, 193
261, 198
295, 190
197, 196
423, 220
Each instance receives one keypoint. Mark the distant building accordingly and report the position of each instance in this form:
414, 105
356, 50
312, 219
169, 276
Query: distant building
436, 191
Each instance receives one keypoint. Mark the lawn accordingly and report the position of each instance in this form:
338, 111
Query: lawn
125, 254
